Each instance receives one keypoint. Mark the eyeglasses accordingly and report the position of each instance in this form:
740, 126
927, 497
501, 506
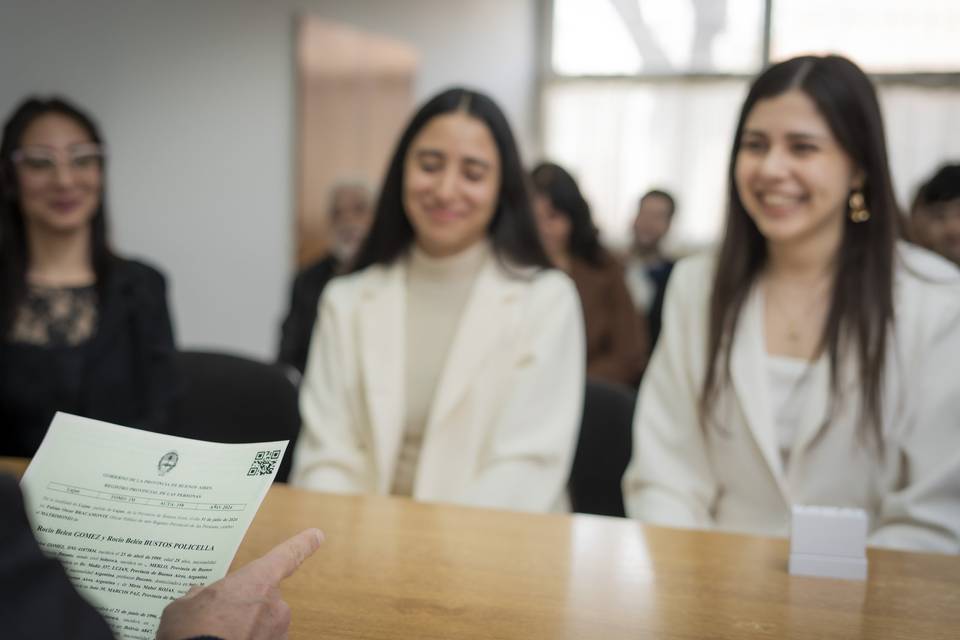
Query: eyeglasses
42, 162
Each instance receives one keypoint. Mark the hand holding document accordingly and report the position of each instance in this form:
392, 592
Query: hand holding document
138, 518
245, 604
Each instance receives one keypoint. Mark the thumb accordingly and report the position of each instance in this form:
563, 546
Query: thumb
194, 590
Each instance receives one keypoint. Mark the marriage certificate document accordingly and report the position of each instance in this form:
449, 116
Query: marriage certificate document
137, 518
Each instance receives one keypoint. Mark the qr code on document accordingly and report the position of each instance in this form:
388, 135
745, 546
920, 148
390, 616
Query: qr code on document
264, 463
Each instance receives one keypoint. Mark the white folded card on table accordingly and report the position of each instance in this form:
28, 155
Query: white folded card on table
829, 542
137, 518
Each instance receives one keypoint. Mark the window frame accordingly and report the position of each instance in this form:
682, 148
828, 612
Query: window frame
548, 76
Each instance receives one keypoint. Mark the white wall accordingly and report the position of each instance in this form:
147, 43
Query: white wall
196, 99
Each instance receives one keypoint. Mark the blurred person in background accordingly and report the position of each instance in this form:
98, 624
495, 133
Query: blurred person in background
449, 364
82, 330
351, 213
616, 333
812, 359
647, 267
935, 215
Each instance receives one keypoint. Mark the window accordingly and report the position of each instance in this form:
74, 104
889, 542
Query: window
641, 94
628, 37
884, 36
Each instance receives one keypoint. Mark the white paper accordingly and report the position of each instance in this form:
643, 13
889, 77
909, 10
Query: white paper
137, 518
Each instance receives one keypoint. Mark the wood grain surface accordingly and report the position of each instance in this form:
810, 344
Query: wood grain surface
394, 568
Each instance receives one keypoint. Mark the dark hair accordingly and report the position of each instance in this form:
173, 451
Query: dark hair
512, 230
554, 182
943, 186
861, 306
14, 258
658, 193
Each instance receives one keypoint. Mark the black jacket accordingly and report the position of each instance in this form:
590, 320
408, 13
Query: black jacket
659, 274
36, 597
298, 325
125, 373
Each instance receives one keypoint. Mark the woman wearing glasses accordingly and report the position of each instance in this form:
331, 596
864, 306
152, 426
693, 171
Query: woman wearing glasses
81, 330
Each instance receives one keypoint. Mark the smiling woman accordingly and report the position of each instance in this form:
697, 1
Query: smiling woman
810, 362
81, 330
452, 183
792, 175
449, 366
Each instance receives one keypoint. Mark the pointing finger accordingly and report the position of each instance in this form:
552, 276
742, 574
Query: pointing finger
281, 561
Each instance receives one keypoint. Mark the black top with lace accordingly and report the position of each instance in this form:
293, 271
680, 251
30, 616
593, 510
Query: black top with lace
103, 352
56, 316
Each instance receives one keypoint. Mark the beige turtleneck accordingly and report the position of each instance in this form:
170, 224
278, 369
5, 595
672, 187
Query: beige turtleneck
437, 292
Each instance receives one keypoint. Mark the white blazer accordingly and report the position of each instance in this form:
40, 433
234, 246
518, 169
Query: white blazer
504, 419
732, 477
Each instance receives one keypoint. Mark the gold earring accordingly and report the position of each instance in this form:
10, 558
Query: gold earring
858, 207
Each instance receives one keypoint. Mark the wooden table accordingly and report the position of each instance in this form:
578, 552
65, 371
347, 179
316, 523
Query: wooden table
393, 568
15, 466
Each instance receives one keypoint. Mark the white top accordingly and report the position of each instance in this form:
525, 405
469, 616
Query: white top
789, 387
505, 410
437, 291
731, 476
641, 287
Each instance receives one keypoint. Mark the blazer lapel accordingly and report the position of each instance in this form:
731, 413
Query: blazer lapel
817, 404
113, 311
748, 372
481, 325
382, 321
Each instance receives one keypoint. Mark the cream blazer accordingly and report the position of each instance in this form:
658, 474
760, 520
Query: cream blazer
504, 419
732, 478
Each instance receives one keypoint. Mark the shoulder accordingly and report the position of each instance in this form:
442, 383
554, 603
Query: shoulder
692, 277
603, 285
552, 283
544, 307
321, 270
607, 268
919, 273
927, 287
698, 264
347, 290
136, 273
537, 287
917, 263
136, 287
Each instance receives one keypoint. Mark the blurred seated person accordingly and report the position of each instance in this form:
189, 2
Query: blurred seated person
351, 212
82, 330
647, 267
37, 599
448, 366
615, 333
935, 216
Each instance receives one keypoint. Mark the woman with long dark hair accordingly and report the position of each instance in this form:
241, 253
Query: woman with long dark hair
616, 333
81, 329
811, 361
449, 365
